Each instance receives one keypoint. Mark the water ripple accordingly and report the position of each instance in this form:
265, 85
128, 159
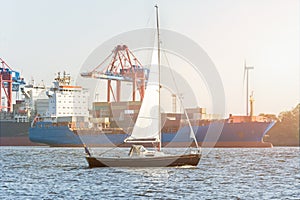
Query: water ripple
62, 173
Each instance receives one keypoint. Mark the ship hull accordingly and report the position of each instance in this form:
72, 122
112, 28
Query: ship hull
160, 161
246, 134
15, 134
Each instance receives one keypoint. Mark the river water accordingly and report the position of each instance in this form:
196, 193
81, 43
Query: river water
223, 173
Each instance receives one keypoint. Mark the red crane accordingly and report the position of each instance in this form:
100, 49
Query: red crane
123, 66
9, 82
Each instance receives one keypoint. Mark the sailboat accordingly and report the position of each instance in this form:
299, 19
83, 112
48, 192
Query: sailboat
147, 130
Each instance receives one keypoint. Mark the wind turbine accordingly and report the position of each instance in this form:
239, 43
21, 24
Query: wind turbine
246, 75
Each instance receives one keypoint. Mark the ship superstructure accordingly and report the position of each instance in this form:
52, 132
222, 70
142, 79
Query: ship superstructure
35, 98
67, 103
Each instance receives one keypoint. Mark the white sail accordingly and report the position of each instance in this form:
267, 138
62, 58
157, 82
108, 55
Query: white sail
146, 128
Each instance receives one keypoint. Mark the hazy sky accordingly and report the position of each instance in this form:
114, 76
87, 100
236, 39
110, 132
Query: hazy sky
40, 38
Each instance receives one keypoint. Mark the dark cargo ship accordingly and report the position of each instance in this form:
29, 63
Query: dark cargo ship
14, 126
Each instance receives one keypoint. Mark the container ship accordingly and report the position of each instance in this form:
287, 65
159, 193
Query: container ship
69, 123
60, 115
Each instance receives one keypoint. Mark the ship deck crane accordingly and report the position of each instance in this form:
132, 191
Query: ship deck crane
10, 81
123, 66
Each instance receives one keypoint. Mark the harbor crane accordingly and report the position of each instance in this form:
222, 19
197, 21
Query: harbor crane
10, 82
123, 66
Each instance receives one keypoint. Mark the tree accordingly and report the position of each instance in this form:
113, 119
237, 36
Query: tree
286, 130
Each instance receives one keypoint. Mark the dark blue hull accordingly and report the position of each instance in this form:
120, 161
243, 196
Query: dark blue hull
245, 134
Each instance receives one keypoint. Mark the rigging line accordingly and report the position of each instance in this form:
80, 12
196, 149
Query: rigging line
180, 100
150, 17
111, 148
171, 72
86, 147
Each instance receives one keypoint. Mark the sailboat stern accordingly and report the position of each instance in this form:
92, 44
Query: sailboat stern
186, 160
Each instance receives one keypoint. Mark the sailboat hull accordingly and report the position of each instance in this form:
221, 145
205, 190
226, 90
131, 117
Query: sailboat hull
159, 161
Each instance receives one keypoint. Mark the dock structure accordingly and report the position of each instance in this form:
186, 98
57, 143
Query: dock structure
10, 82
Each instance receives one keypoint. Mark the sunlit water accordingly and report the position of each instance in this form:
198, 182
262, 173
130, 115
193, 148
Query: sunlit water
63, 173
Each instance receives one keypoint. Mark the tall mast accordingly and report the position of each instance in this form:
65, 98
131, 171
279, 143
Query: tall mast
158, 58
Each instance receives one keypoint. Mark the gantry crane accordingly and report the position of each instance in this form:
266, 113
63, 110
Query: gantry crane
10, 81
124, 66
